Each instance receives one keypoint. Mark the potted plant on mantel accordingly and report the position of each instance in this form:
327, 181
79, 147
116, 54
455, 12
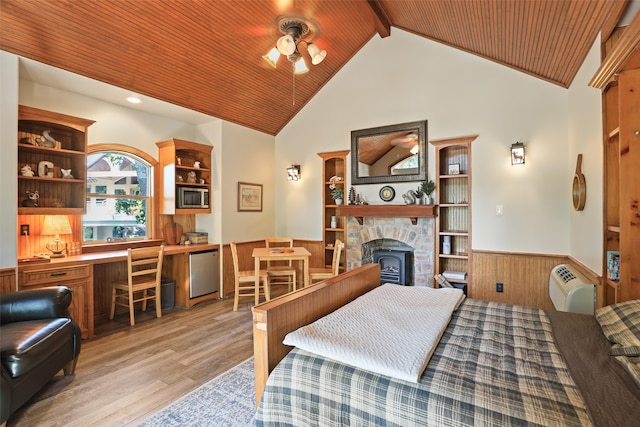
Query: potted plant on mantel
338, 195
427, 187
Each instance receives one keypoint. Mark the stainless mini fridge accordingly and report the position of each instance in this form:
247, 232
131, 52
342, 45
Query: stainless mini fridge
203, 273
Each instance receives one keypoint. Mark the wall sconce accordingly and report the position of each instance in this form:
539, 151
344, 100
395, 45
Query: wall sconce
293, 173
55, 225
517, 153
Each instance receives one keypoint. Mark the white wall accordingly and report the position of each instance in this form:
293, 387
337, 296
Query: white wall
585, 137
248, 157
8, 159
459, 94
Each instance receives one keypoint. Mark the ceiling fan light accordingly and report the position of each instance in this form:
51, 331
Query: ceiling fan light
272, 57
317, 55
300, 67
286, 45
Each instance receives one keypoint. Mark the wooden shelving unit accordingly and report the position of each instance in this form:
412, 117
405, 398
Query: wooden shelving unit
619, 79
333, 164
57, 195
454, 204
171, 175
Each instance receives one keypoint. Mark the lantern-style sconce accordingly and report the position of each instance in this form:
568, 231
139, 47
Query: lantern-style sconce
293, 173
517, 153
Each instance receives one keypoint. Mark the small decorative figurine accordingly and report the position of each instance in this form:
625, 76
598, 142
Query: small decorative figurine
26, 171
66, 173
196, 165
179, 161
180, 179
191, 177
202, 181
32, 199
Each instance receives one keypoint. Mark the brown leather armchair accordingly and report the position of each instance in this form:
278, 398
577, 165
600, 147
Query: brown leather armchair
38, 338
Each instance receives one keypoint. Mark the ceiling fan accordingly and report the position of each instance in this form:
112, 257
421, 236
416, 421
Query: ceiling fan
406, 141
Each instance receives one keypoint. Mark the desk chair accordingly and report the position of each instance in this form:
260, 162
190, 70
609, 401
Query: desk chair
247, 277
144, 273
281, 271
325, 273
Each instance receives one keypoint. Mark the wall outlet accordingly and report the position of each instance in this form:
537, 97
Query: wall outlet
24, 229
499, 287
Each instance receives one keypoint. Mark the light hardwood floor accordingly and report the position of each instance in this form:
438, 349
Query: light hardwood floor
127, 373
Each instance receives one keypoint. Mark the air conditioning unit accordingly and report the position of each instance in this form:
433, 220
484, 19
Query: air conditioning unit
569, 291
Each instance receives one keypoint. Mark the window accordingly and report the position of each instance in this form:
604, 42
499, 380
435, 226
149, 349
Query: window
118, 196
405, 166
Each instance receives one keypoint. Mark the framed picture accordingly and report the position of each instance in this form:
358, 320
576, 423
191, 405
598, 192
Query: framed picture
249, 197
454, 169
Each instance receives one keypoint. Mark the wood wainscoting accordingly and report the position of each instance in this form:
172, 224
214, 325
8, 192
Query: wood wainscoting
525, 277
245, 258
8, 280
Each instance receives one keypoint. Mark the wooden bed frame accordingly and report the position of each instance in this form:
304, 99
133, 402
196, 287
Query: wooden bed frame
274, 319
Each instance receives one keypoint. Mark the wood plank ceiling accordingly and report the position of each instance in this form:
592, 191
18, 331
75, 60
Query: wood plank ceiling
206, 55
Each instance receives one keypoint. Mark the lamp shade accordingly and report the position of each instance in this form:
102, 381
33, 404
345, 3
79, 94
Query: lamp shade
293, 173
286, 45
517, 153
272, 57
317, 55
54, 225
300, 67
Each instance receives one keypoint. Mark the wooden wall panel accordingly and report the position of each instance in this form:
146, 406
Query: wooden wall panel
8, 282
525, 277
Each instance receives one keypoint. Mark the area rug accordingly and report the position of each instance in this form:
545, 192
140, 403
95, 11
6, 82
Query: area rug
227, 400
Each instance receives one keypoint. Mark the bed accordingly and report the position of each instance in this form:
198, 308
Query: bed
495, 364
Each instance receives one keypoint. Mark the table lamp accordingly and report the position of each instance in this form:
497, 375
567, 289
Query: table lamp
55, 225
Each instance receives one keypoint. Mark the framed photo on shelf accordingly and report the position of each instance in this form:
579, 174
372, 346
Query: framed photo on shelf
249, 197
454, 169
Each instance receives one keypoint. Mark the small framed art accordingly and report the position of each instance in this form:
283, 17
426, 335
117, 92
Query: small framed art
249, 197
454, 169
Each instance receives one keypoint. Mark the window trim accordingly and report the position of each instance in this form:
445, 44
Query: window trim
151, 209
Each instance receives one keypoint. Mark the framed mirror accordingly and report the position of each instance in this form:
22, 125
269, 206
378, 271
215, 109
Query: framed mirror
394, 153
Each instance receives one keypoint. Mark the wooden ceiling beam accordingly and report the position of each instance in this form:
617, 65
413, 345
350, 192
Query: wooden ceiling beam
382, 23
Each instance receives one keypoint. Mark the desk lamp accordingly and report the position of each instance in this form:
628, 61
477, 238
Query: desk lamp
55, 225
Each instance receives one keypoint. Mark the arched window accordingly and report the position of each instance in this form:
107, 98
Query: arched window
119, 187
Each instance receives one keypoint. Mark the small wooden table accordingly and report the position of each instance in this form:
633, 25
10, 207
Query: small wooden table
282, 254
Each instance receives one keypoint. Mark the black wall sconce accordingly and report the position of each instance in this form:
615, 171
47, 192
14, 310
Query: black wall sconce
517, 153
293, 173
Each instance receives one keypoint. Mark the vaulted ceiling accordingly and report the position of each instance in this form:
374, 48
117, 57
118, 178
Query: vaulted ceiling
206, 55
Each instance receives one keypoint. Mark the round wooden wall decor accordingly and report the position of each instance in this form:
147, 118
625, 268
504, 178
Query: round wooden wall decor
579, 186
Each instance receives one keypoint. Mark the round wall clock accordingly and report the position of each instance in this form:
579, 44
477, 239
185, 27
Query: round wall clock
387, 193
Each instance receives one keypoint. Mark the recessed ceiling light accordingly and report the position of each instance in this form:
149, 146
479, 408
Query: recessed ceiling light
134, 99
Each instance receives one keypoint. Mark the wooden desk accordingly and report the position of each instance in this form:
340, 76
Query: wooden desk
90, 277
282, 254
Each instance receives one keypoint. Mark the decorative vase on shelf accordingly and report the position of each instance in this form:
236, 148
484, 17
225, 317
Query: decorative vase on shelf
446, 245
338, 201
334, 223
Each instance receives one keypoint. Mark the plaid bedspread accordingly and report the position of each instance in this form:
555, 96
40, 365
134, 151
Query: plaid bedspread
496, 365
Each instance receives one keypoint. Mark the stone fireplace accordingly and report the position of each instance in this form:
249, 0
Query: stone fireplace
416, 234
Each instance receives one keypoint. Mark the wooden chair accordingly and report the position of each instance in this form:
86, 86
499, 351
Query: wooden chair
287, 271
144, 273
247, 277
325, 273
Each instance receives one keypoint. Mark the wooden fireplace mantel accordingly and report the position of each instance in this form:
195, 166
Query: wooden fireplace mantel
395, 211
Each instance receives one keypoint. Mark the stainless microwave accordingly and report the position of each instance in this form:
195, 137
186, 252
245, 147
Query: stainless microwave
191, 197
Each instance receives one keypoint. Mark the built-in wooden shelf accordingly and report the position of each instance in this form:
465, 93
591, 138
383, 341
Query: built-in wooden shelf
395, 211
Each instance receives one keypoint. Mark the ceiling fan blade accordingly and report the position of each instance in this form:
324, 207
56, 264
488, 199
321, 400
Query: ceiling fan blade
406, 141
